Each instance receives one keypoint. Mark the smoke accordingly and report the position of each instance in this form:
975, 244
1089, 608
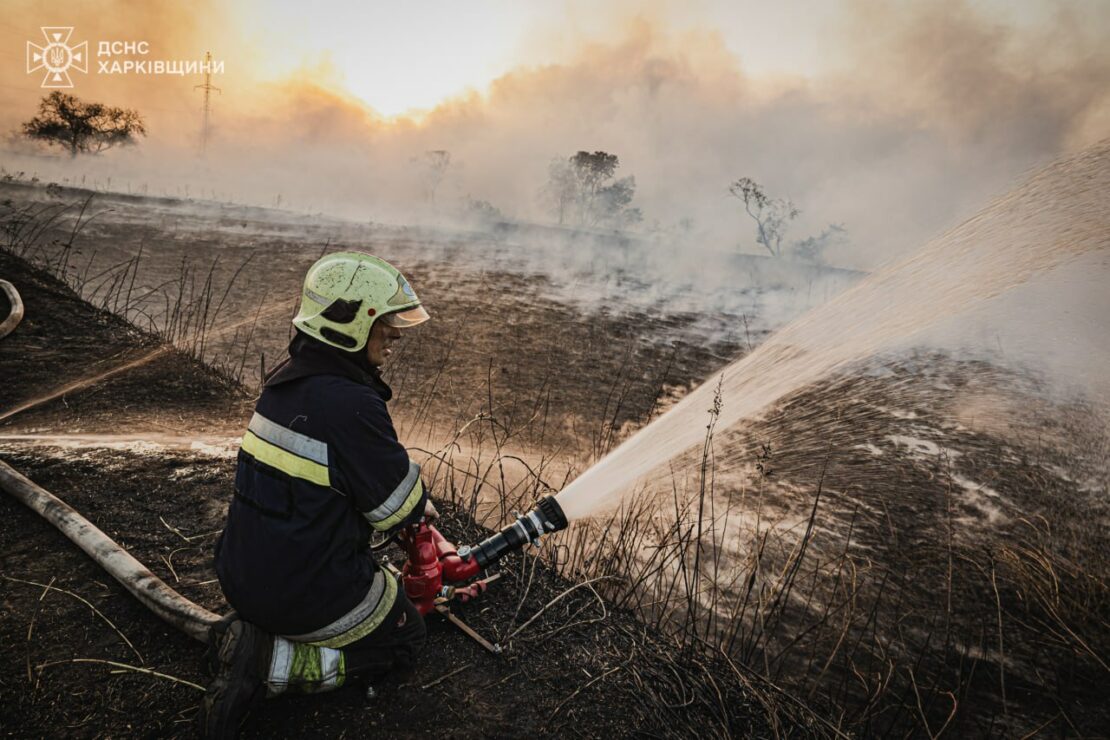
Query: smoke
925, 110
1054, 327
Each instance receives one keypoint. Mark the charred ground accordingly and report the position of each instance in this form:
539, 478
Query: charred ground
500, 333
917, 546
579, 668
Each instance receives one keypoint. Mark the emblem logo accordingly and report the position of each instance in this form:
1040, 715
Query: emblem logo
57, 57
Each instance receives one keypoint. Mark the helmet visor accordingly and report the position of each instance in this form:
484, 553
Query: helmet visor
405, 319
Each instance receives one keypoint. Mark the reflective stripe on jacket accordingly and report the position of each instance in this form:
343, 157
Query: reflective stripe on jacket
320, 466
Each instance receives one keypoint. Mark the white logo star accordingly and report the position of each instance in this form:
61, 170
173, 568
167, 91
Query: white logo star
57, 57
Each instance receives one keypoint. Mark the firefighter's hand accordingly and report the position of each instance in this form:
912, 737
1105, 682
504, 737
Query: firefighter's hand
430, 512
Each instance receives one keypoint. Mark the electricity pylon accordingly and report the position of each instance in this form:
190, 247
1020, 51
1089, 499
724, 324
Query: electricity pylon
208, 88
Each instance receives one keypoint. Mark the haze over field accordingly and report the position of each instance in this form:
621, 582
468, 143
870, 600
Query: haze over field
894, 120
873, 474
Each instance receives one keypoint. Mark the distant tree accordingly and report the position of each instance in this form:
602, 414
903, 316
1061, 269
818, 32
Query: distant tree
560, 189
582, 189
71, 123
433, 165
812, 249
771, 216
591, 172
481, 210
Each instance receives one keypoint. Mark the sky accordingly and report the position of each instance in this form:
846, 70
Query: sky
404, 57
894, 119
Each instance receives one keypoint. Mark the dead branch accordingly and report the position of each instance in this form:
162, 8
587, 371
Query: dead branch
48, 587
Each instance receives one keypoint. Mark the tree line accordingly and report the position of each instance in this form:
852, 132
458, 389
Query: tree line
582, 190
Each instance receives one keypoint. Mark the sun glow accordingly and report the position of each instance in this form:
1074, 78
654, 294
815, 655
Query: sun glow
397, 58
404, 58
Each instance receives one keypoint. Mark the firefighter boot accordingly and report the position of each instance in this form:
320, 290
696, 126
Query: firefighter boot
210, 664
244, 655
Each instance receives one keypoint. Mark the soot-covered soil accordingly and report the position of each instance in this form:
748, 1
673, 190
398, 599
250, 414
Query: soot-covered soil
953, 516
586, 370
62, 340
578, 668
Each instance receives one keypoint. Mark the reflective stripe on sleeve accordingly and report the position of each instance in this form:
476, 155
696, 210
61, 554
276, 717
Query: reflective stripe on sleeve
400, 503
285, 461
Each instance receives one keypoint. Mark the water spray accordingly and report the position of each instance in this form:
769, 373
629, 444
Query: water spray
1055, 218
144, 359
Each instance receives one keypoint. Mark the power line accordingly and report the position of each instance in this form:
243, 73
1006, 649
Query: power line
208, 88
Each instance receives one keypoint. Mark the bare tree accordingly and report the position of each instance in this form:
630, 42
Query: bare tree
770, 215
433, 164
69, 122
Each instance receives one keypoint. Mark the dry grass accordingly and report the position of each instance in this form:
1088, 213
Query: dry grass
185, 311
880, 620
863, 613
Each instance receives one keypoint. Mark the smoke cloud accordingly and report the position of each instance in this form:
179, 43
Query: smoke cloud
925, 110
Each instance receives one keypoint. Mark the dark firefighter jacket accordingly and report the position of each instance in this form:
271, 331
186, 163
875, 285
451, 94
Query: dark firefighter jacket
320, 467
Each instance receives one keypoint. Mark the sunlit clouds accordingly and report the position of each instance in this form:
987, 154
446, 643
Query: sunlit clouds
892, 120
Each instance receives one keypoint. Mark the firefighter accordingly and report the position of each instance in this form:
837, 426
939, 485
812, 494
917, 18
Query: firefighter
320, 469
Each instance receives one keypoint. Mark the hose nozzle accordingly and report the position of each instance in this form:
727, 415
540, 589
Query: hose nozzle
528, 528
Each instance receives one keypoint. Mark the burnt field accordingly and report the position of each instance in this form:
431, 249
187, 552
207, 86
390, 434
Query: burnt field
78, 650
915, 546
187, 272
919, 543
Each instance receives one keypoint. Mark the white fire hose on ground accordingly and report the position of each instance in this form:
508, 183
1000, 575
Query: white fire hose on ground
16, 314
148, 588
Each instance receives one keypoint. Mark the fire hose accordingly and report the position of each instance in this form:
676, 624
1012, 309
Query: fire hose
434, 571
16, 313
151, 591
433, 563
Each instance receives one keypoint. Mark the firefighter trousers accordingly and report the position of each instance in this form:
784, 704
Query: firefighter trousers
304, 667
